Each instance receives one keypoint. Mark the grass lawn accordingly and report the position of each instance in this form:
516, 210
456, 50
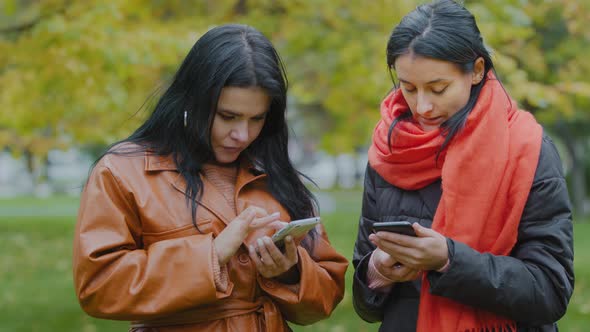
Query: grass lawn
36, 292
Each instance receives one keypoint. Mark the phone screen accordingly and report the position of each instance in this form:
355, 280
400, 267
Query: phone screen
295, 228
400, 227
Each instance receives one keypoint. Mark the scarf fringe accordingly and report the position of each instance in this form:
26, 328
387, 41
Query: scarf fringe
505, 328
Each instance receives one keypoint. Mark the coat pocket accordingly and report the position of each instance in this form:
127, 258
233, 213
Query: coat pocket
204, 225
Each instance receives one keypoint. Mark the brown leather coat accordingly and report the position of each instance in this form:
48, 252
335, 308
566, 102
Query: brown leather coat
138, 257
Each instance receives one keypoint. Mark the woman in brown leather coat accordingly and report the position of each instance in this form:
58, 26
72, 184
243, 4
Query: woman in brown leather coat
174, 222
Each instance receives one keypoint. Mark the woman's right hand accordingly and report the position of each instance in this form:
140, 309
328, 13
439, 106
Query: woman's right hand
229, 240
391, 269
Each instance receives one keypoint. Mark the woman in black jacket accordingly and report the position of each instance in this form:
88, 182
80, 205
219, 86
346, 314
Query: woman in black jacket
481, 183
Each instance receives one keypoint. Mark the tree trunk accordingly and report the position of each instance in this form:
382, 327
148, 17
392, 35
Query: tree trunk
577, 190
241, 7
578, 177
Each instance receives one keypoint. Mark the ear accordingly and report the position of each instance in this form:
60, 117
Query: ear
478, 71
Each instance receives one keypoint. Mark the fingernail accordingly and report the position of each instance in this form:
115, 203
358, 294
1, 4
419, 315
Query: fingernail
289, 238
276, 214
260, 243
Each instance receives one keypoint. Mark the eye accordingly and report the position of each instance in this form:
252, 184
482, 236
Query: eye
259, 118
226, 116
409, 90
439, 92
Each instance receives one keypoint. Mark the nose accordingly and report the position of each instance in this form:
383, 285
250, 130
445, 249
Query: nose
423, 104
239, 132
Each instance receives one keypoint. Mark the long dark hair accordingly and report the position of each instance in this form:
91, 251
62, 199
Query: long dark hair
442, 30
228, 55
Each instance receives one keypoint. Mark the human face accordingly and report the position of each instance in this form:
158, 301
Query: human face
435, 89
238, 120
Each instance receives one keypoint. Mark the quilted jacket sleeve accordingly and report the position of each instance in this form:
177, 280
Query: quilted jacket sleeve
367, 302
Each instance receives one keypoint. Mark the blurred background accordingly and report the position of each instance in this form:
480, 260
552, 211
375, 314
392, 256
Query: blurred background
76, 76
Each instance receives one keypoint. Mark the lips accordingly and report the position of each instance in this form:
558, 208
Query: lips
232, 149
431, 121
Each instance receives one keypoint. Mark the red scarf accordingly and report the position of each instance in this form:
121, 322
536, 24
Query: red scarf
487, 172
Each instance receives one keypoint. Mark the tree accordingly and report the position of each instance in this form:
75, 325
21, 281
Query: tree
76, 73
538, 47
338, 52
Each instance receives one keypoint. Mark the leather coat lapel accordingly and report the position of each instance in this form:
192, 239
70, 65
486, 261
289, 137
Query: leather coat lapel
211, 199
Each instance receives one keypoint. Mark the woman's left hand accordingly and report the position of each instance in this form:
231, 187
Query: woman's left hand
270, 261
427, 251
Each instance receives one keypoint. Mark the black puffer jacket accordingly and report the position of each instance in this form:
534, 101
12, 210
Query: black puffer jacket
531, 286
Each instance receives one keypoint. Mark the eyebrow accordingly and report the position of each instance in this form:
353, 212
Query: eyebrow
438, 80
223, 110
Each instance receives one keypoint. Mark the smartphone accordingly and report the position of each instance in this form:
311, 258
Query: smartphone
295, 228
400, 227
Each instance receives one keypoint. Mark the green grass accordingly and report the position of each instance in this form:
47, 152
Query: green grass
36, 292
60, 206
577, 317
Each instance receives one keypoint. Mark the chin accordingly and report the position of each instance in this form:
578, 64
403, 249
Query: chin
225, 159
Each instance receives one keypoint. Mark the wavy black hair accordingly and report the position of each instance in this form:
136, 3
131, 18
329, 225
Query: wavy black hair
228, 55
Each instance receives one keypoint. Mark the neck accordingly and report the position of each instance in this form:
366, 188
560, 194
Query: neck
223, 165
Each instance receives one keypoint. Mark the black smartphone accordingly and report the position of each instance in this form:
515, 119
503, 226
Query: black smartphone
400, 227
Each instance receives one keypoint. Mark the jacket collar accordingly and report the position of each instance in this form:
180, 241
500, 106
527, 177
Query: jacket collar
159, 163
166, 163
